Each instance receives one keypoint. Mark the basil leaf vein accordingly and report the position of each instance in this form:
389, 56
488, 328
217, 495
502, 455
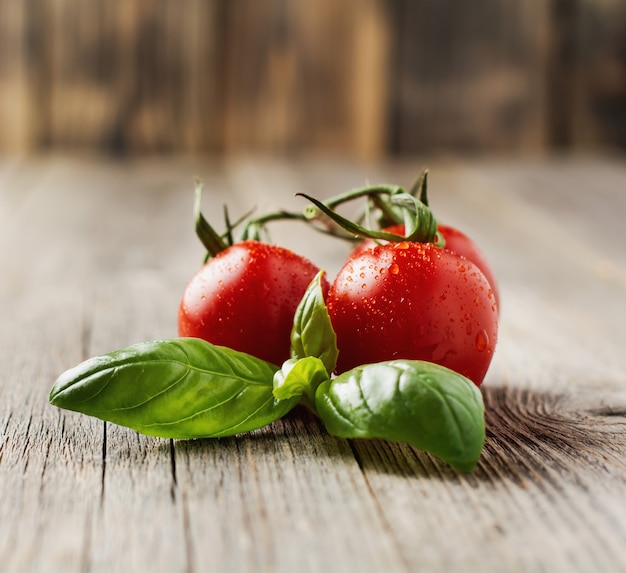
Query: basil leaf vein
180, 388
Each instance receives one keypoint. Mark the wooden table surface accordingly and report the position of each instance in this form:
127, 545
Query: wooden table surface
94, 255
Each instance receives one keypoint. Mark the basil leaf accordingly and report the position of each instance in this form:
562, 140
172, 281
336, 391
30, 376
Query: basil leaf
180, 388
312, 333
420, 403
300, 377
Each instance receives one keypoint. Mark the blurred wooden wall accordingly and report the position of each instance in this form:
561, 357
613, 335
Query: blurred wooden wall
359, 77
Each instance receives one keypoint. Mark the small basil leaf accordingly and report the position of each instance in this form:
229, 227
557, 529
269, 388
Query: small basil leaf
300, 377
312, 333
420, 403
180, 388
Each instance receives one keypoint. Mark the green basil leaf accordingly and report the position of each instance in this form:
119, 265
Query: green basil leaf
312, 333
300, 377
180, 388
420, 403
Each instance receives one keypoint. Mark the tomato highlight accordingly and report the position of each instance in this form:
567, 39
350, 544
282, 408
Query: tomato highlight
414, 301
455, 241
245, 298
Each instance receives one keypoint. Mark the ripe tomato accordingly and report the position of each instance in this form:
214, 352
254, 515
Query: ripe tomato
414, 301
456, 241
246, 297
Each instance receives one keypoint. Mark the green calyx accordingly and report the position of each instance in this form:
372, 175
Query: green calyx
388, 205
212, 241
254, 229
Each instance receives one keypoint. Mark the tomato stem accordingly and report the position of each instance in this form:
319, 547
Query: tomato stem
388, 216
255, 227
419, 222
422, 227
393, 204
369, 191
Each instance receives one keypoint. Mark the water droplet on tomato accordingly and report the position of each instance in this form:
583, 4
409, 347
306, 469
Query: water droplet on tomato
394, 269
482, 341
403, 245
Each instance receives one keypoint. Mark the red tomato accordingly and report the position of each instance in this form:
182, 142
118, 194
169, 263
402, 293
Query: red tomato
246, 297
456, 241
414, 301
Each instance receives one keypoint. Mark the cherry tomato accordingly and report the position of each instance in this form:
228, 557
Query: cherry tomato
456, 241
246, 297
414, 301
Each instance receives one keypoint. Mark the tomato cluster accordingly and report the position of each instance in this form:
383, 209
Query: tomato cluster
395, 297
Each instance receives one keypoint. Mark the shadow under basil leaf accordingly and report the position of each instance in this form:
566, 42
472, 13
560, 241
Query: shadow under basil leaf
529, 434
299, 435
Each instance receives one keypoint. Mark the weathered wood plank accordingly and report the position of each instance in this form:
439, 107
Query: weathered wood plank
296, 497
105, 251
50, 469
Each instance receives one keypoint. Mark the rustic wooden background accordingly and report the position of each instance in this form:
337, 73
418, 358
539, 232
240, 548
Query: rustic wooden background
363, 77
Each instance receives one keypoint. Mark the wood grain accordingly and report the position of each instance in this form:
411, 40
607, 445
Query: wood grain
105, 249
